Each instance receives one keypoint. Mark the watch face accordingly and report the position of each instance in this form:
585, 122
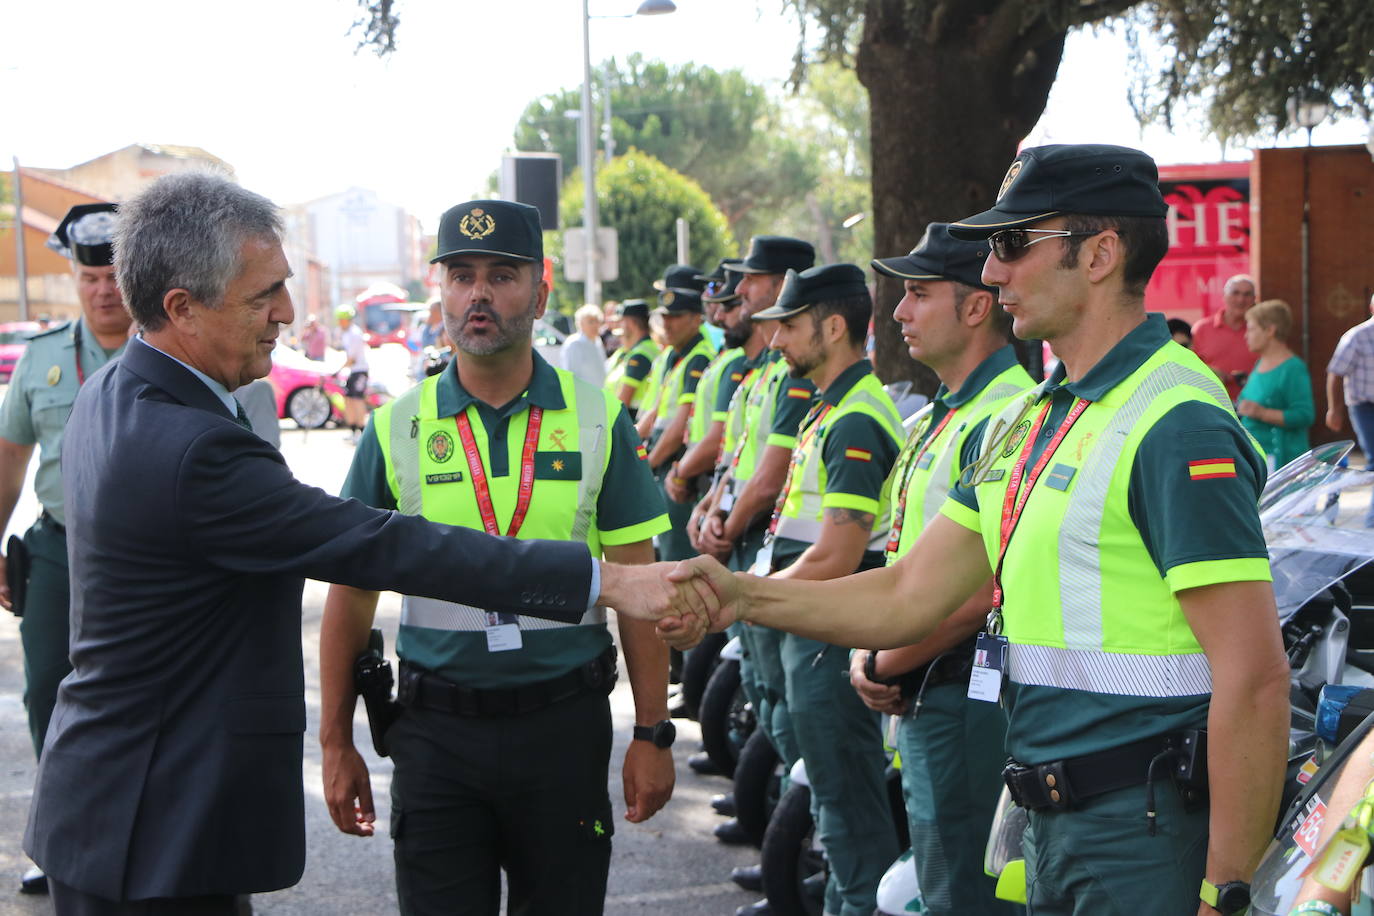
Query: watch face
1233, 897
665, 733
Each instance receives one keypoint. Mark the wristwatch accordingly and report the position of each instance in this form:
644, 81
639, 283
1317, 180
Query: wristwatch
1231, 897
662, 734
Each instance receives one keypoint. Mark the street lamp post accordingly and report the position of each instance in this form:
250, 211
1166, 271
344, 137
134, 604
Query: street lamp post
586, 141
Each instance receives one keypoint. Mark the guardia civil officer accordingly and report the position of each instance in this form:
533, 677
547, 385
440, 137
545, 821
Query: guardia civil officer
40, 396
951, 749
502, 748
1115, 506
706, 422
628, 366
831, 519
681, 310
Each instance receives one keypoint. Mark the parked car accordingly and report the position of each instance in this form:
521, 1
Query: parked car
14, 337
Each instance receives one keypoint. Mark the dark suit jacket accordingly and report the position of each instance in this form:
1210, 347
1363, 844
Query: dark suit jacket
173, 762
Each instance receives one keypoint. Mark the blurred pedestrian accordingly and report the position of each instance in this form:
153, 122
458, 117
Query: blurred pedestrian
582, 352
1350, 388
1181, 332
314, 339
1219, 339
1275, 404
355, 364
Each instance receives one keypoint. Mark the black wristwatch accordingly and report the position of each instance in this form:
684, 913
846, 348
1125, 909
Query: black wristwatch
871, 671
1231, 897
662, 734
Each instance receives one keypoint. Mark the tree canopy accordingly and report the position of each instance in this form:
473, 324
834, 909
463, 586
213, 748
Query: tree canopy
643, 198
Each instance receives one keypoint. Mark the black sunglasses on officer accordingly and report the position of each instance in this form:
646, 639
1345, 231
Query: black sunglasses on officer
1010, 244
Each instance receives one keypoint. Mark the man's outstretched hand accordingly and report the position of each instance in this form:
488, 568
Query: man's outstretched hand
721, 595
650, 593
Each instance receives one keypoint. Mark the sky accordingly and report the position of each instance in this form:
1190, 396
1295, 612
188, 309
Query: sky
276, 88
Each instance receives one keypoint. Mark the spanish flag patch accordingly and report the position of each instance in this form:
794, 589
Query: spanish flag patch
736, 376
1211, 468
858, 454
695, 373
803, 394
642, 452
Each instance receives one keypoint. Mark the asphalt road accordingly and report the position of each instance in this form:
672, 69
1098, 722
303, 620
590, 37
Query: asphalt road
670, 865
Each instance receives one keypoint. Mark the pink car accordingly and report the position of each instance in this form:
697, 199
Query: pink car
14, 337
307, 390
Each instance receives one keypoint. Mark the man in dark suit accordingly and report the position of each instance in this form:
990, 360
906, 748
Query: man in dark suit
171, 776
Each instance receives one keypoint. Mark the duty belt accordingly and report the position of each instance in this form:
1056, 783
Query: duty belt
1064, 784
429, 691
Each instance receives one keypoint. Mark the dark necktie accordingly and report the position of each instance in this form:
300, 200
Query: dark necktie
242, 417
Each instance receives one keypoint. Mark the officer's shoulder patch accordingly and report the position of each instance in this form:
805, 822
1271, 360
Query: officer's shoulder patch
52, 331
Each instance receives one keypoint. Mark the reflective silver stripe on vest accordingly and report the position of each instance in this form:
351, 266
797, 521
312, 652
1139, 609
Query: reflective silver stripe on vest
1115, 673
936, 494
405, 450
593, 441
1080, 563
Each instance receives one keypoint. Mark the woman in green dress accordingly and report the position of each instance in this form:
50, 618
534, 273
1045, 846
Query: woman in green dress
1276, 403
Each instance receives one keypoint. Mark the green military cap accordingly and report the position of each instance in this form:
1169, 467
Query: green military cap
777, 254
721, 286
802, 290
86, 234
680, 276
1087, 178
939, 256
678, 301
633, 308
496, 227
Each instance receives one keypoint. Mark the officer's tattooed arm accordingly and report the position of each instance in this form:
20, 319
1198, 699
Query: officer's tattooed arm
838, 550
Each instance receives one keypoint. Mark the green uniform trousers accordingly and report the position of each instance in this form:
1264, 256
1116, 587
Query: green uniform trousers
1100, 860
44, 630
765, 683
953, 750
842, 744
525, 794
674, 544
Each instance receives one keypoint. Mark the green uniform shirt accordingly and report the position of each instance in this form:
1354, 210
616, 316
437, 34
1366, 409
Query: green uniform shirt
792, 398
1196, 532
857, 454
40, 398
629, 511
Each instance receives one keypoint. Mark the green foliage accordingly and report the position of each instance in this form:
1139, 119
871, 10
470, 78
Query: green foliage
1246, 58
643, 198
715, 126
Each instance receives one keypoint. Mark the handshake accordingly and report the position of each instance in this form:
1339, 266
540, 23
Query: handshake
686, 600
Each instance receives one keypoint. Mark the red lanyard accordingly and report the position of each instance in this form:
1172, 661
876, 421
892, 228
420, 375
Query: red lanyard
811, 427
904, 479
76, 341
1015, 501
479, 474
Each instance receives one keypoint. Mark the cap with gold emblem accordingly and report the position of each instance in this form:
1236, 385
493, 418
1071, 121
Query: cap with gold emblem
802, 290
1086, 178
495, 227
86, 234
678, 301
633, 308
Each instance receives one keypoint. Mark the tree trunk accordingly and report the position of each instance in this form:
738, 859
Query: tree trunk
939, 154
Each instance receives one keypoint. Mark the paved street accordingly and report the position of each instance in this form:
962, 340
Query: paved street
670, 865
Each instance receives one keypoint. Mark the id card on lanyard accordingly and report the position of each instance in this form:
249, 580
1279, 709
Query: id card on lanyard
502, 629
992, 648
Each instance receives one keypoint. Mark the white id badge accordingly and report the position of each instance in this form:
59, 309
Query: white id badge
989, 663
727, 500
503, 632
763, 560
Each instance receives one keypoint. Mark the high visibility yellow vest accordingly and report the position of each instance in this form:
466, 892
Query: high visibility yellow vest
615, 372
758, 418
428, 474
652, 388
705, 403
735, 418
802, 515
675, 382
935, 472
1085, 607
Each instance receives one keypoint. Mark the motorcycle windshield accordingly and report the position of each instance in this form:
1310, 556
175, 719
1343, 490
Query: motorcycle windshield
1314, 512
1281, 881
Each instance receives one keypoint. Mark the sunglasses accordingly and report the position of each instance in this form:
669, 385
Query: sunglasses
714, 287
1011, 244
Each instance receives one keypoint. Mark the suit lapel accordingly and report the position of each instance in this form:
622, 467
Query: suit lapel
159, 369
